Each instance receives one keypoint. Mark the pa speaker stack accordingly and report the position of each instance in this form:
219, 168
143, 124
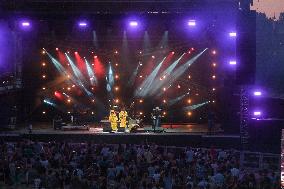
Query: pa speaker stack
246, 47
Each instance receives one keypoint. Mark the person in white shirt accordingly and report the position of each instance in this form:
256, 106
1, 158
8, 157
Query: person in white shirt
148, 155
119, 169
44, 162
235, 172
189, 155
203, 184
222, 155
218, 179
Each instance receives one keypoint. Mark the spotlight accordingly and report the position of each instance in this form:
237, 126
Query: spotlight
68, 88
164, 101
116, 88
43, 52
141, 113
43, 112
153, 56
117, 100
115, 52
178, 86
140, 52
93, 100
257, 113
232, 34
213, 77
43, 64
257, 93
189, 101
141, 101
69, 100
189, 77
232, 62
116, 64
191, 23
116, 76
93, 113
133, 23
141, 76
26, 24
43, 88
95, 56
82, 24
164, 113
43, 76
214, 64
173, 52
189, 113
56, 49
76, 52
213, 89
214, 52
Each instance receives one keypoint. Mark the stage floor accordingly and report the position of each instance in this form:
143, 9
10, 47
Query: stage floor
195, 135
187, 128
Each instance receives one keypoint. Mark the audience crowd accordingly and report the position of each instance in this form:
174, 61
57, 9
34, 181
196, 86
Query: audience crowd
32, 164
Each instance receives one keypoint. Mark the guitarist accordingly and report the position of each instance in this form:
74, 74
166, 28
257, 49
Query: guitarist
156, 117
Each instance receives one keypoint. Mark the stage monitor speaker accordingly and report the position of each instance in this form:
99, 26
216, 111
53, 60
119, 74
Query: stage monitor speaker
246, 47
120, 129
107, 127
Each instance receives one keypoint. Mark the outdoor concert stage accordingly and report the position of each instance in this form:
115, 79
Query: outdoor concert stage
195, 135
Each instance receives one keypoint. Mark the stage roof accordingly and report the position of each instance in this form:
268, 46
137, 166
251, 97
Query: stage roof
113, 7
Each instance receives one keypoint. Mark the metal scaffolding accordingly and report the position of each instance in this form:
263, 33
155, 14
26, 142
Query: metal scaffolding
244, 117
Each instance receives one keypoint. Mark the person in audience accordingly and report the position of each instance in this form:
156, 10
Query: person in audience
87, 165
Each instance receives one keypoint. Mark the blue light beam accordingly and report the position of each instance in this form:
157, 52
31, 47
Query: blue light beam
145, 87
110, 79
158, 83
174, 101
93, 78
195, 106
76, 71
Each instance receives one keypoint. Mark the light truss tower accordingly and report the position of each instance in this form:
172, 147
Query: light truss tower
244, 117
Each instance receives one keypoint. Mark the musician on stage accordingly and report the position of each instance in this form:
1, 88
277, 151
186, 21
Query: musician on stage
123, 117
156, 117
113, 120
